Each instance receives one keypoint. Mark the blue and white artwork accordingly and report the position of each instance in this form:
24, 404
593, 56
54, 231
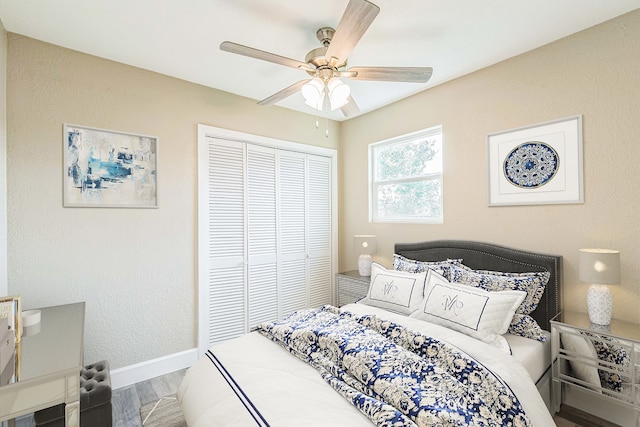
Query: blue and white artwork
109, 169
537, 164
531, 165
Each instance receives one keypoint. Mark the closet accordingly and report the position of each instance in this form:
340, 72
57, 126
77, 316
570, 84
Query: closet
266, 230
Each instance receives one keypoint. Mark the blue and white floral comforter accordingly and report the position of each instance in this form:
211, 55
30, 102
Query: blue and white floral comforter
252, 381
396, 376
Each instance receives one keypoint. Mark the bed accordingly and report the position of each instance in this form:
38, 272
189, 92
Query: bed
427, 368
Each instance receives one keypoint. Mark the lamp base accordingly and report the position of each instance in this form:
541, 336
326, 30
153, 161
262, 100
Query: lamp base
364, 265
599, 304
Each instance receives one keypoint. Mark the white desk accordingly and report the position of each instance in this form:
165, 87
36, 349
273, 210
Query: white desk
48, 366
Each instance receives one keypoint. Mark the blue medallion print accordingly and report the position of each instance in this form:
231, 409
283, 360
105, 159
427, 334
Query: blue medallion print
531, 165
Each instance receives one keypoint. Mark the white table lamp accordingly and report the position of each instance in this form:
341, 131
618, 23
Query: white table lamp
600, 267
364, 245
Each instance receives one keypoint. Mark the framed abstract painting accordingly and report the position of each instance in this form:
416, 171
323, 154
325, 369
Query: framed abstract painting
105, 168
538, 164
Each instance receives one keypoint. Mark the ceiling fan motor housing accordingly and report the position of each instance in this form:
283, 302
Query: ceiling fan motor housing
317, 58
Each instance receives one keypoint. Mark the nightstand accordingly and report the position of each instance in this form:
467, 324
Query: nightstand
601, 362
351, 287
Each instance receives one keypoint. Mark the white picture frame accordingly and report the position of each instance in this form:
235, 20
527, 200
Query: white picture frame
109, 169
537, 164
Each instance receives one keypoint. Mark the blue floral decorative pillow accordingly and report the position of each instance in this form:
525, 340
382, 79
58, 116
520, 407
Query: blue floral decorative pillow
533, 284
526, 326
443, 268
609, 351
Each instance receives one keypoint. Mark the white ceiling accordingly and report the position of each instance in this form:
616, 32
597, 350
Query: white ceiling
181, 38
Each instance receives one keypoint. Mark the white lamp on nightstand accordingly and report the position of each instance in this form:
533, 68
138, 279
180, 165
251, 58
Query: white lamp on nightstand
600, 267
364, 245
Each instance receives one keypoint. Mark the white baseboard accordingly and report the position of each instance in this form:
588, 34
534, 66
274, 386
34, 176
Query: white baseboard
132, 374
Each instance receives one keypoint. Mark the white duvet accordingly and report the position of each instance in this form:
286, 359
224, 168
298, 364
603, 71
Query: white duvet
285, 391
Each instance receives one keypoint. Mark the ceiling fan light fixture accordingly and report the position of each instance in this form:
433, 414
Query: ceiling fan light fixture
313, 93
325, 64
338, 93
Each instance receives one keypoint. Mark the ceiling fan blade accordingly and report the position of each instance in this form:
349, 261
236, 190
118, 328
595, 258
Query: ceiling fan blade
350, 108
284, 93
264, 56
392, 74
357, 17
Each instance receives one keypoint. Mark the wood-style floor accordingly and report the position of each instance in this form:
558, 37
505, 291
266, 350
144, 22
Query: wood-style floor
572, 417
127, 402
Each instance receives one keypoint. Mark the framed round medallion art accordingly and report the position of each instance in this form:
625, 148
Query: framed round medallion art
538, 164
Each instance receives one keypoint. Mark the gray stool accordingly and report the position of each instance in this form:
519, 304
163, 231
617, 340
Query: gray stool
95, 400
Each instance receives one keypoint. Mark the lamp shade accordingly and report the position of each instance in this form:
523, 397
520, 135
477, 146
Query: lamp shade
313, 93
364, 244
338, 93
599, 266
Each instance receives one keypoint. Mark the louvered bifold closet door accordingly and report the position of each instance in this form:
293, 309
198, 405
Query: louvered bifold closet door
265, 227
262, 277
226, 244
292, 220
319, 229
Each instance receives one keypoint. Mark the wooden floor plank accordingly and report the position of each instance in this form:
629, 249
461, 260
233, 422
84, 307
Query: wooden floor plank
126, 407
572, 417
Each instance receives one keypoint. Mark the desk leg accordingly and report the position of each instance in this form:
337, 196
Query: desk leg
72, 414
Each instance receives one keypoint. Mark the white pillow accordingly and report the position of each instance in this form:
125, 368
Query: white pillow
396, 291
473, 311
581, 346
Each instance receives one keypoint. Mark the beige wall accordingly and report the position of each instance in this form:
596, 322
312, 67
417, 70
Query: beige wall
593, 73
135, 268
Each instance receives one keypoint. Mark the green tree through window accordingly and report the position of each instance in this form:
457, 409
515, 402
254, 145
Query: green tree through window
406, 178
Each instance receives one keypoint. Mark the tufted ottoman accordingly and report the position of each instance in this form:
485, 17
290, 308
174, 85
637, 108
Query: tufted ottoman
95, 400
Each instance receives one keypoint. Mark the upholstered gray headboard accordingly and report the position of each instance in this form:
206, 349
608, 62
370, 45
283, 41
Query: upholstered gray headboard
488, 256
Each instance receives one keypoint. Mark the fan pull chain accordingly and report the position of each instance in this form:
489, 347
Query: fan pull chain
326, 126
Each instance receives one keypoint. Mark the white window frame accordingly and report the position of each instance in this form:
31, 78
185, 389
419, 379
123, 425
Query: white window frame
373, 182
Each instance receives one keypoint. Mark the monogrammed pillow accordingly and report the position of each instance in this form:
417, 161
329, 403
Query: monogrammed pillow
532, 283
475, 312
397, 291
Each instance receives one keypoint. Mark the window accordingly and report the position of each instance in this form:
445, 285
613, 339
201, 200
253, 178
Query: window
405, 175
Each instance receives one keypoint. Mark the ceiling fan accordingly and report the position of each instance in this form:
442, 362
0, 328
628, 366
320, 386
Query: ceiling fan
327, 64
